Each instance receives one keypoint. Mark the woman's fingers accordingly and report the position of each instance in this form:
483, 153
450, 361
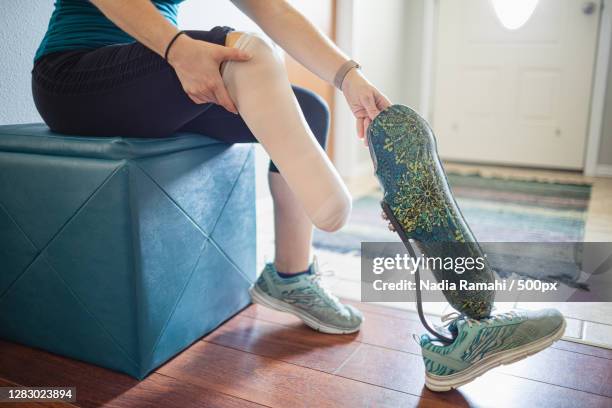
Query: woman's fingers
195, 98
231, 54
366, 125
360, 128
382, 101
367, 100
223, 98
214, 92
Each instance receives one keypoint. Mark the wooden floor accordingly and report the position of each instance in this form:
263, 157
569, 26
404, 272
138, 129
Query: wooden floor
265, 358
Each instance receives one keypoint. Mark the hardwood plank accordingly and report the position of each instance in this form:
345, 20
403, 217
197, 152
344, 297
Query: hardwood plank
7, 383
404, 372
379, 330
581, 367
383, 310
299, 345
393, 328
584, 349
394, 332
162, 391
257, 311
269, 315
544, 366
97, 386
566, 369
496, 390
275, 383
36, 405
32, 367
391, 332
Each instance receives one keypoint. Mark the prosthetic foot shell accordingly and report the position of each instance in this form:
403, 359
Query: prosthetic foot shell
420, 206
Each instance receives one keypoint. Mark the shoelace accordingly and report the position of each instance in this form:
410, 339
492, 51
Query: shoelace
317, 279
451, 317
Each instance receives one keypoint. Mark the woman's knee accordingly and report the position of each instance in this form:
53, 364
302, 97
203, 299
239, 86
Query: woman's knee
315, 111
262, 50
232, 37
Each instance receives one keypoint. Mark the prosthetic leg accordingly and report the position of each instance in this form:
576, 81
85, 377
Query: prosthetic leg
420, 207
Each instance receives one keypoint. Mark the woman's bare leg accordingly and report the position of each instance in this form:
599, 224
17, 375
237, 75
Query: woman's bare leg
292, 228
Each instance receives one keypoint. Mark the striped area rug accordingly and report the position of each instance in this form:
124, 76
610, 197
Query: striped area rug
497, 210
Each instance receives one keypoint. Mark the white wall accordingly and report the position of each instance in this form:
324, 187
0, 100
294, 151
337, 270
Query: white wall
385, 38
412, 63
22, 26
205, 14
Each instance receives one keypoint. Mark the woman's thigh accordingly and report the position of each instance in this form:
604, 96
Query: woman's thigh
220, 124
125, 90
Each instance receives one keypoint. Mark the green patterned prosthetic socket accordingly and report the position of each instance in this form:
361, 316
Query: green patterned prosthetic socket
416, 190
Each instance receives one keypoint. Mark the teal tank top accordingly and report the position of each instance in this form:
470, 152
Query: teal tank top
78, 24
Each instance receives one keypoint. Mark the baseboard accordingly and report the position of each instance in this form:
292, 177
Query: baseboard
603, 170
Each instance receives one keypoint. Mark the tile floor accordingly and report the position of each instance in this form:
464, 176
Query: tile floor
589, 323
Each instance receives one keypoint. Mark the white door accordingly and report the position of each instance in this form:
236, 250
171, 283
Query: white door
516, 96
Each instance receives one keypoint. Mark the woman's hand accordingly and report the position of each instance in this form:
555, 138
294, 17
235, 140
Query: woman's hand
364, 100
198, 67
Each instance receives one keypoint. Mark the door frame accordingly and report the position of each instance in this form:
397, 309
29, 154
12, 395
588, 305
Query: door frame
598, 91
598, 96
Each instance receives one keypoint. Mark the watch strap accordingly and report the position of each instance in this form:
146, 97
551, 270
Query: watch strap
344, 69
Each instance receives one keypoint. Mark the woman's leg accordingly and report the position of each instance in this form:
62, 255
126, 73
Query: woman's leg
262, 93
118, 90
293, 228
307, 190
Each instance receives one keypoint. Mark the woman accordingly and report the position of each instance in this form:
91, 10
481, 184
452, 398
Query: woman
108, 68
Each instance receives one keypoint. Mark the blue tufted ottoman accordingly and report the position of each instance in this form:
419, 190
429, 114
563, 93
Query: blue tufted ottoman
122, 252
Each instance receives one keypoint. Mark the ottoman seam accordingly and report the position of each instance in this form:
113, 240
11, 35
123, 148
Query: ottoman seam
172, 200
176, 303
246, 160
209, 240
14, 221
208, 235
84, 306
40, 251
248, 156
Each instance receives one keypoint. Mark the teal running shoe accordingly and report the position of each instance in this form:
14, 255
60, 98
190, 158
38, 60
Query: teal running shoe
419, 204
305, 297
481, 345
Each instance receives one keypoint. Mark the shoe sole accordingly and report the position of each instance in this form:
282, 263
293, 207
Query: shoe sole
417, 242
446, 383
263, 299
